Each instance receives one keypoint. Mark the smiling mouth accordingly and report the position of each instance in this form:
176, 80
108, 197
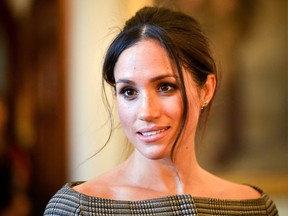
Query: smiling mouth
152, 133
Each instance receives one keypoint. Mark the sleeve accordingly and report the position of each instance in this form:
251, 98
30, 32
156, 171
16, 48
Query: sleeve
64, 202
271, 207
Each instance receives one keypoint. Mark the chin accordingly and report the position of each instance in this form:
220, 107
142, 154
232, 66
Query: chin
156, 154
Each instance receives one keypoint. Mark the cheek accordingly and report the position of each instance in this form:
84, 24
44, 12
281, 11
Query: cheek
175, 109
125, 114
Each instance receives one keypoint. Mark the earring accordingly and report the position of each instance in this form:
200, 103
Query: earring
205, 103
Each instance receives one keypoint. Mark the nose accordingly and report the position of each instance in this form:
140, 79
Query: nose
150, 108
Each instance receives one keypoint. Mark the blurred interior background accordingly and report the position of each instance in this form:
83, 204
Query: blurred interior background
52, 119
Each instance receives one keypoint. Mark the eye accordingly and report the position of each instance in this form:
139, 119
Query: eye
166, 87
129, 93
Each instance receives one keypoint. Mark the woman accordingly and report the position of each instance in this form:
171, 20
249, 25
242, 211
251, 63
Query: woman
164, 78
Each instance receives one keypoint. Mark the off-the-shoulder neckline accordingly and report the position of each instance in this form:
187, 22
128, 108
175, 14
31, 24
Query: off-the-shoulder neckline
262, 197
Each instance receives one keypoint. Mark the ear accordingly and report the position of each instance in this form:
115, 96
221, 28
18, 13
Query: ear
208, 90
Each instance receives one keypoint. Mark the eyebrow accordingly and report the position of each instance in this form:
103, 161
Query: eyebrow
154, 79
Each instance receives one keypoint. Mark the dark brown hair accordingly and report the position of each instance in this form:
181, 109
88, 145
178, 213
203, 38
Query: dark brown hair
182, 38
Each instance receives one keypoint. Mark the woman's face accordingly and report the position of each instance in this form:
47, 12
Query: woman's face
149, 99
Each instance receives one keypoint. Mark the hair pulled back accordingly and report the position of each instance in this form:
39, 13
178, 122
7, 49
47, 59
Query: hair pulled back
179, 34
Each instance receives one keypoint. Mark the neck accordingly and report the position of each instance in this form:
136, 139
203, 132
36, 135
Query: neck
164, 175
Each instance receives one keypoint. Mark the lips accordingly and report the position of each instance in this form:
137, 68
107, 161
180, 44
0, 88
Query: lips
152, 134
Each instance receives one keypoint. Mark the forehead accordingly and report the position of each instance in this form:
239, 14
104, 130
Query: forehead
146, 55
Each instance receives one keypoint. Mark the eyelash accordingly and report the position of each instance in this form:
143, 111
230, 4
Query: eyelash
172, 87
125, 90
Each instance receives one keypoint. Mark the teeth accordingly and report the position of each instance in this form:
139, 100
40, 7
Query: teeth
150, 133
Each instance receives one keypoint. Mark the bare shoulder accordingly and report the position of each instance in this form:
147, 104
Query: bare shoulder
100, 186
241, 191
225, 189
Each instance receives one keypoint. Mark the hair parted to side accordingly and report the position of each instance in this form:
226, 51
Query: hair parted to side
182, 38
